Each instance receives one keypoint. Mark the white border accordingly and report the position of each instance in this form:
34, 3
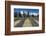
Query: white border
25, 28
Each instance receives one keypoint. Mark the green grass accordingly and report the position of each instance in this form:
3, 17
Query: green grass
16, 18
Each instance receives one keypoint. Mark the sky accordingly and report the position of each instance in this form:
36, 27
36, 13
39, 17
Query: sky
27, 10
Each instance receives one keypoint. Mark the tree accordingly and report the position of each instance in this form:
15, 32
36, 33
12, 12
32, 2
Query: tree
15, 14
32, 15
19, 14
28, 14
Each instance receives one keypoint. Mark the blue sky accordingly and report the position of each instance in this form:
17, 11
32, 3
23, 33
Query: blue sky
28, 10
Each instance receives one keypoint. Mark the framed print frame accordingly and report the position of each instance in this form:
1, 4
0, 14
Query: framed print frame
24, 17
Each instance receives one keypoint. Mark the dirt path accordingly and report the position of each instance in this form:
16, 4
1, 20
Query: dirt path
27, 23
